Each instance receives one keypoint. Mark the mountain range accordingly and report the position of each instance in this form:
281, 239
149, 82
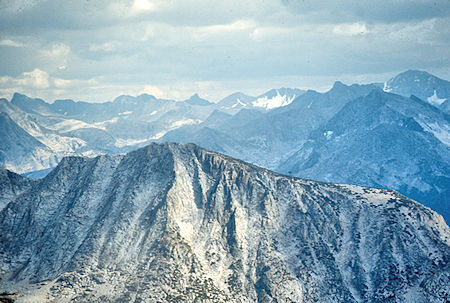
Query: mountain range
393, 142
66, 127
177, 223
393, 136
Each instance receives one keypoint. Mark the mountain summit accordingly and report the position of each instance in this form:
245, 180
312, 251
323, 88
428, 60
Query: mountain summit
382, 140
196, 100
423, 85
177, 223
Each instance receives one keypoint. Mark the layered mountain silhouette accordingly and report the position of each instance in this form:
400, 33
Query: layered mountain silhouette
265, 138
385, 140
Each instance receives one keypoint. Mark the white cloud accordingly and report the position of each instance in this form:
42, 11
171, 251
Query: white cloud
62, 83
142, 6
231, 27
154, 90
106, 47
56, 50
37, 82
10, 43
201, 33
350, 29
148, 32
421, 32
36, 78
53, 57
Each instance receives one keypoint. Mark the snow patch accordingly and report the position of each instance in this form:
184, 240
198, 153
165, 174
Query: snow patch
328, 134
386, 88
102, 125
441, 132
129, 142
125, 113
175, 125
72, 124
69, 125
435, 100
238, 102
158, 135
276, 101
180, 123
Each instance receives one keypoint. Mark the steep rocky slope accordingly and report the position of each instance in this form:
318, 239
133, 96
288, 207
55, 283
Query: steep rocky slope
382, 140
176, 223
12, 185
20, 150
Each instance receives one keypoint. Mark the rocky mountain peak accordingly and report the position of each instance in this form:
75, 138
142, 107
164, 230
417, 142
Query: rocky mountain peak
197, 100
177, 222
27, 104
427, 87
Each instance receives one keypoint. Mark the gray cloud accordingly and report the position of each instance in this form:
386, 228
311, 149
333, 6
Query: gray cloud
370, 11
102, 48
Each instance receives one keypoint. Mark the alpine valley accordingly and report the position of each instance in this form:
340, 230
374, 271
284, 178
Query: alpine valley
177, 223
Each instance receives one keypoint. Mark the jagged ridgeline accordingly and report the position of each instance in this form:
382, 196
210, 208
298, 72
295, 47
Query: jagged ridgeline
177, 223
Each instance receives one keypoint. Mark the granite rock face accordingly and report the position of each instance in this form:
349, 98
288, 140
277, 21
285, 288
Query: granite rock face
177, 223
11, 186
393, 142
20, 150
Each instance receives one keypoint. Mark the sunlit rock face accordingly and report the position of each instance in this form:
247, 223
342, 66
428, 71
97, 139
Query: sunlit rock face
177, 223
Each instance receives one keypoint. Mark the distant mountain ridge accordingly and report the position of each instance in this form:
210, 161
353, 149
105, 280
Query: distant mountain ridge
275, 130
175, 222
265, 138
196, 100
20, 149
394, 142
67, 127
427, 87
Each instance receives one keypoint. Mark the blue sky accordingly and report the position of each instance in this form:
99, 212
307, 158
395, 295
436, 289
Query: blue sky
97, 50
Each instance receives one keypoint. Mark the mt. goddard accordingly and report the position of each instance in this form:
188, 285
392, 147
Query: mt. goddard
177, 223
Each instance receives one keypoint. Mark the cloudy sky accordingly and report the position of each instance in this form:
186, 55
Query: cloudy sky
96, 50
